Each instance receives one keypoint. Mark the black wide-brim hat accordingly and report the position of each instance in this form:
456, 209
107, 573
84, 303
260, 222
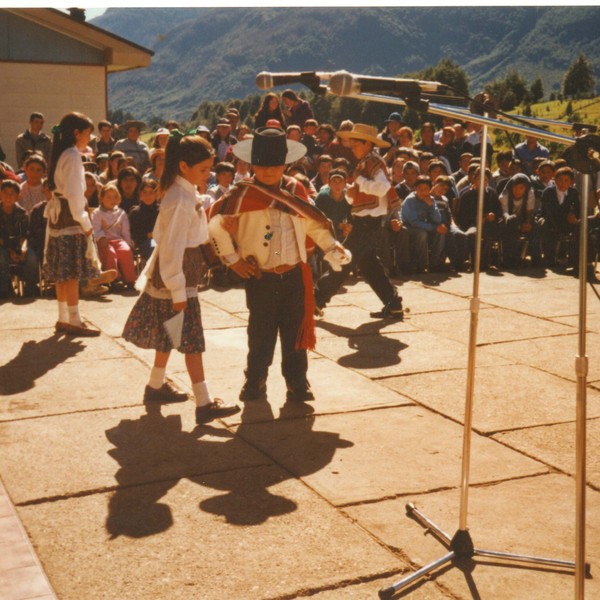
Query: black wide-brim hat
269, 148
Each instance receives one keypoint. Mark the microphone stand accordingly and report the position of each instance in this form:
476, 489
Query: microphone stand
461, 545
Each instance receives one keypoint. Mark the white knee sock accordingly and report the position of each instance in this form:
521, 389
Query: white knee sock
157, 377
63, 312
74, 316
201, 393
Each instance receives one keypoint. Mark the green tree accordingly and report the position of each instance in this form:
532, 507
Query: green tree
536, 91
579, 79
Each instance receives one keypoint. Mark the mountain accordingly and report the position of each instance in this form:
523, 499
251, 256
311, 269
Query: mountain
215, 53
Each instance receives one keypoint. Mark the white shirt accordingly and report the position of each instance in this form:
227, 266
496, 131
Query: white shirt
181, 224
69, 178
30, 196
283, 247
379, 187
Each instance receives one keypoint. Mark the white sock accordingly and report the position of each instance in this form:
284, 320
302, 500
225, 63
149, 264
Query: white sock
74, 316
201, 393
157, 377
63, 312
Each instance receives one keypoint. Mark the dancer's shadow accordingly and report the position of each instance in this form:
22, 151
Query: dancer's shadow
154, 453
34, 360
372, 349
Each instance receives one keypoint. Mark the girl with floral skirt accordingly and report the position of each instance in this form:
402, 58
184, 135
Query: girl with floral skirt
169, 282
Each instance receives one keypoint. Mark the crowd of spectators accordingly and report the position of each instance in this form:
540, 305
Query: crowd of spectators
531, 202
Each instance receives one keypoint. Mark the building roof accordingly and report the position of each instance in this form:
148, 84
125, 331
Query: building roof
120, 54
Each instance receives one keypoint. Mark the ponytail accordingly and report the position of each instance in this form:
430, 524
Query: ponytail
191, 149
64, 138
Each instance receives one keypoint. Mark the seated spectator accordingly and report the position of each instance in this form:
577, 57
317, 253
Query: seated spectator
463, 167
309, 132
14, 232
455, 246
427, 143
331, 200
437, 168
501, 175
243, 131
224, 172
37, 225
473, 141
341, 163
157, 165
465, 216
32, 192
269, 109
106, 142
92, 189
425, 159
33, 139
422, 218
449, 151
112, 169
528, 150
128, 184
143, 218
296, 110
390, 132
543, 178
298, 171
518, 203
327, 142
133, 147
222, 139
559, 217
293, 132
324, 166
410, 172
242, 170
161, 137
112, 234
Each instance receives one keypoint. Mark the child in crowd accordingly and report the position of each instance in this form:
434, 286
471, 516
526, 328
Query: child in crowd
92, 188
171, 277
128, 183
143, 218
111, 230
31, 189
242, 170
224, 172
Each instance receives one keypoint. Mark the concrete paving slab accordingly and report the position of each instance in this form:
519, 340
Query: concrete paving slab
401, 353
370, 590
555, 446
531, 398
336, 390
231, 301
367, 456
533, 516
555, 355
28, 346
115, 448
349, 321
592, 324
494, 325
43, 387
26, 313
553, 303
191, 543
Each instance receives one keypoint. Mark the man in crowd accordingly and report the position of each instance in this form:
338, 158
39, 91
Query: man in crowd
33, 139
133, 147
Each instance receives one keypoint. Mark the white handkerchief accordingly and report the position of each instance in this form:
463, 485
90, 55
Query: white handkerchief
174, 327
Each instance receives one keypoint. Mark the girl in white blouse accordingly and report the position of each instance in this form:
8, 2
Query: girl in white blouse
70, 254
170, 280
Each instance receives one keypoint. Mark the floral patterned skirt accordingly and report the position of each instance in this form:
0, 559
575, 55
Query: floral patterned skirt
144, 326
66, 260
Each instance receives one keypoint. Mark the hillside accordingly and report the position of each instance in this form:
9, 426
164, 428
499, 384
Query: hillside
215, 53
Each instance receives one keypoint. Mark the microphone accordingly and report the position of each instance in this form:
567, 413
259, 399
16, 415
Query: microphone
266, 80
343, 83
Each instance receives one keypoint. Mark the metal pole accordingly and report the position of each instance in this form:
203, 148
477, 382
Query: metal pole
581, 369
474, 307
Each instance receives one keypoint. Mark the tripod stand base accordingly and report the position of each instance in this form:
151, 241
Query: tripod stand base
461, 547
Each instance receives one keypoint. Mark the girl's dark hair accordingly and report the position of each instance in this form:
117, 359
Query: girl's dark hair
64, 138
291, 95
264, 113
191, 149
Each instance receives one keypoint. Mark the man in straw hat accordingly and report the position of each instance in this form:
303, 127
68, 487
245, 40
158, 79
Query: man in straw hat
260, 228
371, 197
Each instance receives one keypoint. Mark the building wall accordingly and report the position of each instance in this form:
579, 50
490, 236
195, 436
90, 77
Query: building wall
51, 89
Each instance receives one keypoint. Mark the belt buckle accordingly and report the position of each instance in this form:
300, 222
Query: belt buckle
278, 272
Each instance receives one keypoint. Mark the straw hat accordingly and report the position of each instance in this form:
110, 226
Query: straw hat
360, 131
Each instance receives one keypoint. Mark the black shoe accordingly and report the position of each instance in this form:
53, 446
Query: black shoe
253, 390
393, 309
166, 394
301, 393
215, 410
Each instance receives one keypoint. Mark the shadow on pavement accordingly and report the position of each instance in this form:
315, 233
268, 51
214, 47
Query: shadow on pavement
154, 453
34, 360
